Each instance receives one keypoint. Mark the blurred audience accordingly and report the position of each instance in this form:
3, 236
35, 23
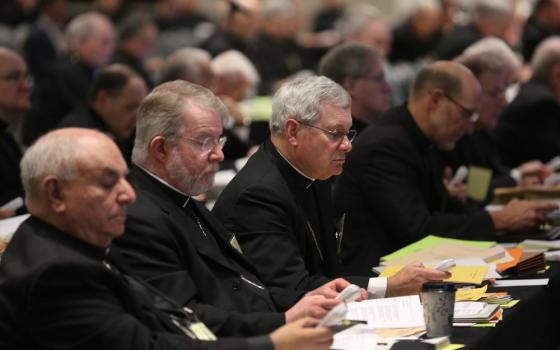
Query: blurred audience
543, 22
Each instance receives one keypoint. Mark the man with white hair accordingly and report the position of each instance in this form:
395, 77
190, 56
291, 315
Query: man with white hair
90, 40
529, 126
279, 204
189, 64
76, 292
175, 243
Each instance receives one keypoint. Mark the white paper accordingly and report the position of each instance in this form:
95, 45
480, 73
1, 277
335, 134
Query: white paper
521, 283
539, 244
13, 205
223, 177
400, 312
359, 337
9, 226
465, 309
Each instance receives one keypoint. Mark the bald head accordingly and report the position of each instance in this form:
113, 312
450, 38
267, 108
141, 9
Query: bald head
451, 77
75, 180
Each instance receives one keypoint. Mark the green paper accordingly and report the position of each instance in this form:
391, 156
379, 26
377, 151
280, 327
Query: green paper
478, 182
432, 241
485, 325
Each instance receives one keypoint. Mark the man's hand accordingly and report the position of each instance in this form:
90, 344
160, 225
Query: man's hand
6, 213
534, 172
410, 278
315, 306
302, 335
521, 215
457, 190
331, 289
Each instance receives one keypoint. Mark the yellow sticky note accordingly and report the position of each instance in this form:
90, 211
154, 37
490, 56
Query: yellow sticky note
459, 274
472, 294
478, 182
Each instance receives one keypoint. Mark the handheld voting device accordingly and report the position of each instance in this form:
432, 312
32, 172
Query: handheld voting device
334, 317
349, 294
445, 265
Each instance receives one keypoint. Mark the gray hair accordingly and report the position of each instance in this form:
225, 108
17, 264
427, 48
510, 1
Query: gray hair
347, 60
234, 62
51, 154
161, 113
83, 26
492, 8
546, 56
406, 9
186, 62
482, 62
303, 98
273, 8
355, 17
496, 47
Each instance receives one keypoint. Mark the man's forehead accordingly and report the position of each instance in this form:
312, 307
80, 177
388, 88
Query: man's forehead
332, 115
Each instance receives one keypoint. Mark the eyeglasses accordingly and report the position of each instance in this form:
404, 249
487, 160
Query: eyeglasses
208, 144
468, 114
335, 136
17, 77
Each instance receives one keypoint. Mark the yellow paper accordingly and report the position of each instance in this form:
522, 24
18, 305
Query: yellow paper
459, 274
510, 304
472, 294
453, 347
478, 182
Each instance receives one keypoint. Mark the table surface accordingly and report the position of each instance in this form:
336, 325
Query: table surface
534, 323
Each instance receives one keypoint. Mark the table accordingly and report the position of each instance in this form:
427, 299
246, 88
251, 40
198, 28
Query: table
533, 324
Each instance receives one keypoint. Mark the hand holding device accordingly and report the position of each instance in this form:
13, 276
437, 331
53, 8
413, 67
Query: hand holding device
445, 265
349, 294
334, 317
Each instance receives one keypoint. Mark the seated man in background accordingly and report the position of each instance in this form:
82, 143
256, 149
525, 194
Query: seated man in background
391, 191
279, 204
113, 101
174, 242
76, 293
15, 87
529, 127
478, 148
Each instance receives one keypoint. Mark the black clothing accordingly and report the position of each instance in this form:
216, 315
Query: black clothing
136, 65
176, 245
10, 156
63, 88
407, 47
73, 295
533, 34
529, 127
392, 196
452, 44
283, 221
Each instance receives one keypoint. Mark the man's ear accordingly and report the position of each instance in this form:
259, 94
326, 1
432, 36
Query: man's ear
53, 190
291, 129
348, 83
434, 98
159, 149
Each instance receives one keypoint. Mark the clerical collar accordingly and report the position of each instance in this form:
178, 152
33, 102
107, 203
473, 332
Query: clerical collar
187, 197
311, 180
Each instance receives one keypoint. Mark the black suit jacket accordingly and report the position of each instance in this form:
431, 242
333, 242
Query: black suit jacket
529, 127
392, 195
165, 246
10, 155
63, 88
282, 220
55, 292
453, 43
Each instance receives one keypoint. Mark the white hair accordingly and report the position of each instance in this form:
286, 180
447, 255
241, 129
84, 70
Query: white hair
273, 8
162, 113
355, 17
407, 8
184, 62
302, 99
546, 56
491, 8
83, 26
497, 47
234, 62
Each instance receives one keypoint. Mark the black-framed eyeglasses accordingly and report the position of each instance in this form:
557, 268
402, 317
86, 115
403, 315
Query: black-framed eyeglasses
207, 144
335, 136
468, 114
17, 77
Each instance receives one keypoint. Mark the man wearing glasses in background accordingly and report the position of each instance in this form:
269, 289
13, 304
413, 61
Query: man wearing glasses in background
392, 194
15, 88
279, 205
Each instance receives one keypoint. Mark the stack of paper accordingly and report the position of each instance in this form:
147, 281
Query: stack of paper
399, 312
475, 312
459, 274
530, 262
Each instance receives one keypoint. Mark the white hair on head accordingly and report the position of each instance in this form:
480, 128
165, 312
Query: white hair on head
497, 47
355, 17
546, 56
185, 62
83, 26
234, 62
303, 98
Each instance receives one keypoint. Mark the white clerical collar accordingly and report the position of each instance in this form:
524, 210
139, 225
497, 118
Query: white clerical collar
296, 169
166, 184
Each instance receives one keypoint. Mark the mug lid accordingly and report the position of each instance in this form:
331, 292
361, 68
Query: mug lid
438, 286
